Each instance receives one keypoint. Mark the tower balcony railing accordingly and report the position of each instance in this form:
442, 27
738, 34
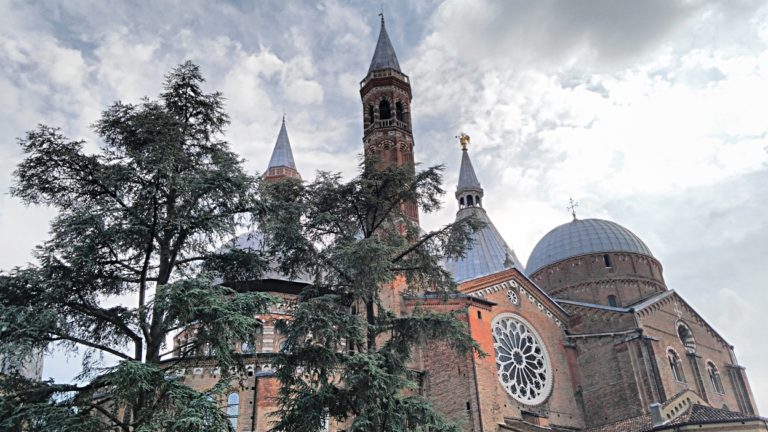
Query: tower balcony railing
387, 123
383, 74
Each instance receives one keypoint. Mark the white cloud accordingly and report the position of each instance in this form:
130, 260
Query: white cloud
648, 113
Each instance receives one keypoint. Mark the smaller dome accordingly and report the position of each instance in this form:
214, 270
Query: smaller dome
487, 255
583, 237
254, 241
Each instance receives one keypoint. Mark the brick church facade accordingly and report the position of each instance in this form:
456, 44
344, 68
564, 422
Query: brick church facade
585, 337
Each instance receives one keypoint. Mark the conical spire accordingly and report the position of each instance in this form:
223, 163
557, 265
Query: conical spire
468, 191
384, 57
467, 177
489, 252
281, 164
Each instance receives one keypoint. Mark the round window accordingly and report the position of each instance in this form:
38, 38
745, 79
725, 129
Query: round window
512, 296
521, 360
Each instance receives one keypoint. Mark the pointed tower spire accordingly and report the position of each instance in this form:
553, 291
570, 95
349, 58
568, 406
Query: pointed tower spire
384, 57
468, 192
281, 163
467, 177
386, 95
489, 252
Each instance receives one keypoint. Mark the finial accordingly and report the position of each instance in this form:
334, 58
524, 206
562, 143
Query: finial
381, 14
572, 207
283, 117
464, 140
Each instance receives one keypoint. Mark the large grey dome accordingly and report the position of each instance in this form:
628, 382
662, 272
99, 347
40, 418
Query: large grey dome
582, 237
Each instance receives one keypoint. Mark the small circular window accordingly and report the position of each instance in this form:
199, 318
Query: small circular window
521, 360
512, 296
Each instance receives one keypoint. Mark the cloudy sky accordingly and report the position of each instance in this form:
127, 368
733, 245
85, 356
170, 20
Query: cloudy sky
649, 113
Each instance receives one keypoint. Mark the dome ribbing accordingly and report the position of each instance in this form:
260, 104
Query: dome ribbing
583, 237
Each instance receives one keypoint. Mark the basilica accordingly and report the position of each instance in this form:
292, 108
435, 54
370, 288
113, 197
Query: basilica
586, 336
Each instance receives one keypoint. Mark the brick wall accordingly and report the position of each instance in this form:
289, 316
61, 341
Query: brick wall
660, 321
548, 320
630, 278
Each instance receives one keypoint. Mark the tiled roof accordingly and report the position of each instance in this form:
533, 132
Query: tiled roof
704, 414
633, 424
695, 414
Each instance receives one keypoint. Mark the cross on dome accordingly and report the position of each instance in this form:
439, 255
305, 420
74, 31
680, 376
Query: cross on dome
572, 207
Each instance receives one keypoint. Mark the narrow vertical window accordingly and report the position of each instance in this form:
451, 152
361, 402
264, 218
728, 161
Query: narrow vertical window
385, 111
612, 301
470, 202
714, 377
607, 260
370, 114
233, 407
207, 413
676, 366
399, 111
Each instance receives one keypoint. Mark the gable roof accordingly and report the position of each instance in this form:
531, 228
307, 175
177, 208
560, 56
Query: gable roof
482, 286
643, 305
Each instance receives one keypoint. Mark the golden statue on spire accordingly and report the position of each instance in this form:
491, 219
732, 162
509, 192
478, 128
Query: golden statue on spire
464, 140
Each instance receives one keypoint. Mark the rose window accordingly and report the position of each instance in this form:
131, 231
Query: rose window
512, 296
521, 360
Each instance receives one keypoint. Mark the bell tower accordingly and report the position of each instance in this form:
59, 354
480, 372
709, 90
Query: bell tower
386, 97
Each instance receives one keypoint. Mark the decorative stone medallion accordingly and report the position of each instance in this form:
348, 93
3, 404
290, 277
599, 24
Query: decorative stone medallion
521, 360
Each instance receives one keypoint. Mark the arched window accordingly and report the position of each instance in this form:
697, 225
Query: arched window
477, 200
607, 260
233, 406
675, 365
686, 337
399, 111
370, 114
612, 301
258, 338
470, 203
461, 202
714, 377
385, 110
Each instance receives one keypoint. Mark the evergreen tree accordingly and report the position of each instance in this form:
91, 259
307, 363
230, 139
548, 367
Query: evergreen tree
348, 345
137, 220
